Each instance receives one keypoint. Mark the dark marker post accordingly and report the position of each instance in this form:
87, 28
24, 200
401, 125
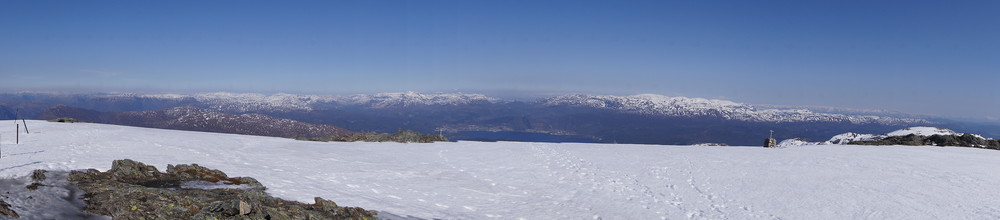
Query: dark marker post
25, 126
17, 114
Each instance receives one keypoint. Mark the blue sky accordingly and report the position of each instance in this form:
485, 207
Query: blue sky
927, 57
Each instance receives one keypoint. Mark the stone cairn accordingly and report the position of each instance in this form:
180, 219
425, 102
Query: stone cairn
770, 142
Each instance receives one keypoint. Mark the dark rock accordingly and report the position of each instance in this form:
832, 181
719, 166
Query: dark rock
407, 136
133, 190
227, 208
34, 186
965, 140
5, 210
66, 120
38, 175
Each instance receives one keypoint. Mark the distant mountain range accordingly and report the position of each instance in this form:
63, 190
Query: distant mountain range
646, 118
197, 119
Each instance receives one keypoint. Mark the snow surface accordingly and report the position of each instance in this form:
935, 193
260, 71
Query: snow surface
56, 198
507, 180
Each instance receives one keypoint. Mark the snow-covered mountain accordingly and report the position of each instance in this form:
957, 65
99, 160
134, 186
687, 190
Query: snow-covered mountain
646, 104
405, 99
659, 105
521, 180
646, 118
252, 102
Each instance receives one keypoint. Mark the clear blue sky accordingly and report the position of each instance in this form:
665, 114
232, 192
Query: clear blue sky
930, 57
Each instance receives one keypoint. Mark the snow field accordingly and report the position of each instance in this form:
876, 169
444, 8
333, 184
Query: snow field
507, 180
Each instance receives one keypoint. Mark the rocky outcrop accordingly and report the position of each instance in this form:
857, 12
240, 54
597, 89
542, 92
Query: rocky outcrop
5, 210
407, 136
964, 140
133, 190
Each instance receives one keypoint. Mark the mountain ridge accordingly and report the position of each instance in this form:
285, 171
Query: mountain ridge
198, 119
643, 118
648, 104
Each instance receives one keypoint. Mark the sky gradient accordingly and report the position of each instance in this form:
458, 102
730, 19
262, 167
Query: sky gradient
925, 57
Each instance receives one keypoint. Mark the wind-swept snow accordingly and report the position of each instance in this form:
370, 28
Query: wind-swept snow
472, 180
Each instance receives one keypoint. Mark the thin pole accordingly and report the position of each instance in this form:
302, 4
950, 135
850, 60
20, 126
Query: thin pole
25, 126
17, 114
17, 135
770, 136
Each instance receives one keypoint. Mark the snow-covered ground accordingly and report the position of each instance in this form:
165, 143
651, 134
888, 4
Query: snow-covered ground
472, 180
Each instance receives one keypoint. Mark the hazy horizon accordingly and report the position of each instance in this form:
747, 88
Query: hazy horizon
920, 57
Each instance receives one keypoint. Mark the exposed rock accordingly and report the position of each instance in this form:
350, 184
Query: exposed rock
5, 210
964, 140
34, 186
38, 175
406, 136
245, 208
66, 120
133, 190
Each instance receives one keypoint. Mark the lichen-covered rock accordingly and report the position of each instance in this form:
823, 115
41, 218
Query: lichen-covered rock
191, 172
130, 171
133, 190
